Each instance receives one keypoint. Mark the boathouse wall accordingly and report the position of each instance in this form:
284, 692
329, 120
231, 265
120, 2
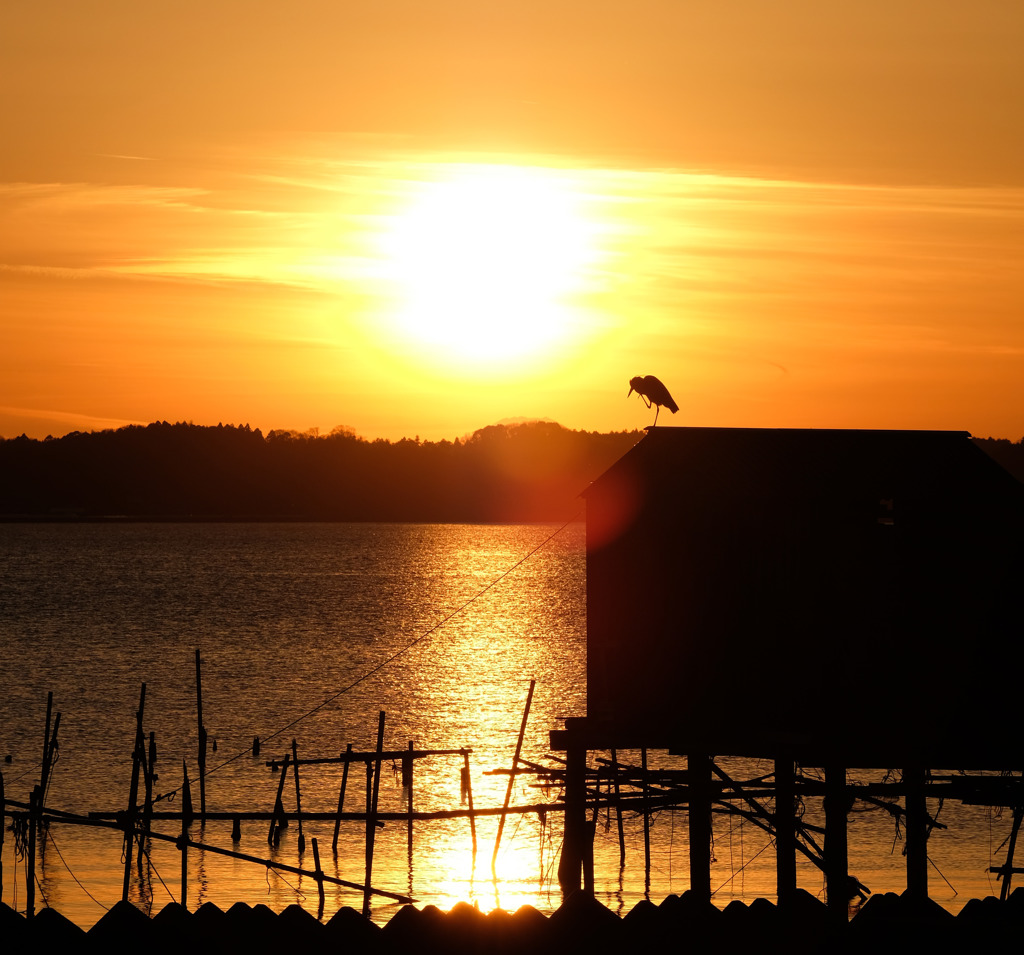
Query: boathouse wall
849, 596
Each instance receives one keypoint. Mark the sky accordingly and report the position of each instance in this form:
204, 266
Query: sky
414, 218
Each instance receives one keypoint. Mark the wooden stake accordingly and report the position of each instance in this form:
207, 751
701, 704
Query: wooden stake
917, 831
618, 810
3, 828
837, 885
699, 772
298, 797
186, 798
30, 867
512, 775
202, 737
371, 820
277, 818
407, 782
341, 799
469, 796
183, 842
133, 796
319, 878
785, 830
647, 819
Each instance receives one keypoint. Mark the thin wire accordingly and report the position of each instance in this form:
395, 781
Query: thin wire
72, 874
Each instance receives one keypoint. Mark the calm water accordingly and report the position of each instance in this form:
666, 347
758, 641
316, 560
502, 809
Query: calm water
307, 631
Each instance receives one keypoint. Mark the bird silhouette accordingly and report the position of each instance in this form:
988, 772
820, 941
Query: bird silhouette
653, 392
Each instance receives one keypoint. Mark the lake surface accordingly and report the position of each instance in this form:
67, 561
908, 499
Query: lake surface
307, 632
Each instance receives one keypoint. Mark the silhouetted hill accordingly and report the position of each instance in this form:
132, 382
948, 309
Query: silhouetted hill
502, 473
531, 471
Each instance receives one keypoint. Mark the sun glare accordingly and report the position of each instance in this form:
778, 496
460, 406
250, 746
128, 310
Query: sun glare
484, 262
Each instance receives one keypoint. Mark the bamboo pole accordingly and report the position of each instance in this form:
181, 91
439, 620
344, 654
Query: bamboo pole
283, 867
341, 799
469, 798
133, 796
371, 821
319, 878
277, 817
298, 797
30, 867
512, 775
618, 810
202, 737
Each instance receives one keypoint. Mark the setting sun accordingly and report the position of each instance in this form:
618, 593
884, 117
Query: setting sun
484, 261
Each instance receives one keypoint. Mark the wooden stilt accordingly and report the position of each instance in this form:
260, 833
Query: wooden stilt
785, 830
917, 831
512, 775
647, 817
468, 784
341, 798
183, 844
618, 810
278, 820
407, 783
298, 797
319, 877
371, 815
699, 772
202, 737
3, 829
30, 864
837, 883
574, 822
133, 796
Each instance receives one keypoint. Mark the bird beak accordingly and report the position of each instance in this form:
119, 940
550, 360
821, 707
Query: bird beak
628, 393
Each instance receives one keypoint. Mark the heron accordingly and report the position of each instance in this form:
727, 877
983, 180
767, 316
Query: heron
653, 392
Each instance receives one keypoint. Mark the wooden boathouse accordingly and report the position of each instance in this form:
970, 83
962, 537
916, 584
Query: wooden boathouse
830, 598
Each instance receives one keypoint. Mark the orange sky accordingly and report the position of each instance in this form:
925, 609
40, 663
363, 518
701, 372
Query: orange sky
419, 218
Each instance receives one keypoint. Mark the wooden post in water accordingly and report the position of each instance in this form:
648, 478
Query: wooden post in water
699, 773
917, 831
647, 818
186, 818
319, 878
277, 818
785, 830
133, 796
469, 797
618, 810
512, 775
30, 866
371, 815
298, 797
574, 818
837, 883
202, 737
407, 763
3, 828
341, 797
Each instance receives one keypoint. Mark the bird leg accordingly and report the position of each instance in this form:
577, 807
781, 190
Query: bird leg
656, 410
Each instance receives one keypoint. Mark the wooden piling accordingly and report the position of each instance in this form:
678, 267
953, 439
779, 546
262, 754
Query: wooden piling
298, 797
917, 831
512, 775
133, 796
183, 842
837, 884
407, 784
618, 809
319, 878
202, 737
468, 783
30, 863
574, 821
785, 830
371, 815
3, 829
341, 799
277, 818
699, 772
645, 789
186, 798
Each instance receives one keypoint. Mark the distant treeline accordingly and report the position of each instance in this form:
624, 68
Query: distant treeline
502, 473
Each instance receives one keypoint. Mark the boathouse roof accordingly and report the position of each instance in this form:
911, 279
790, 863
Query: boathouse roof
837, 593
